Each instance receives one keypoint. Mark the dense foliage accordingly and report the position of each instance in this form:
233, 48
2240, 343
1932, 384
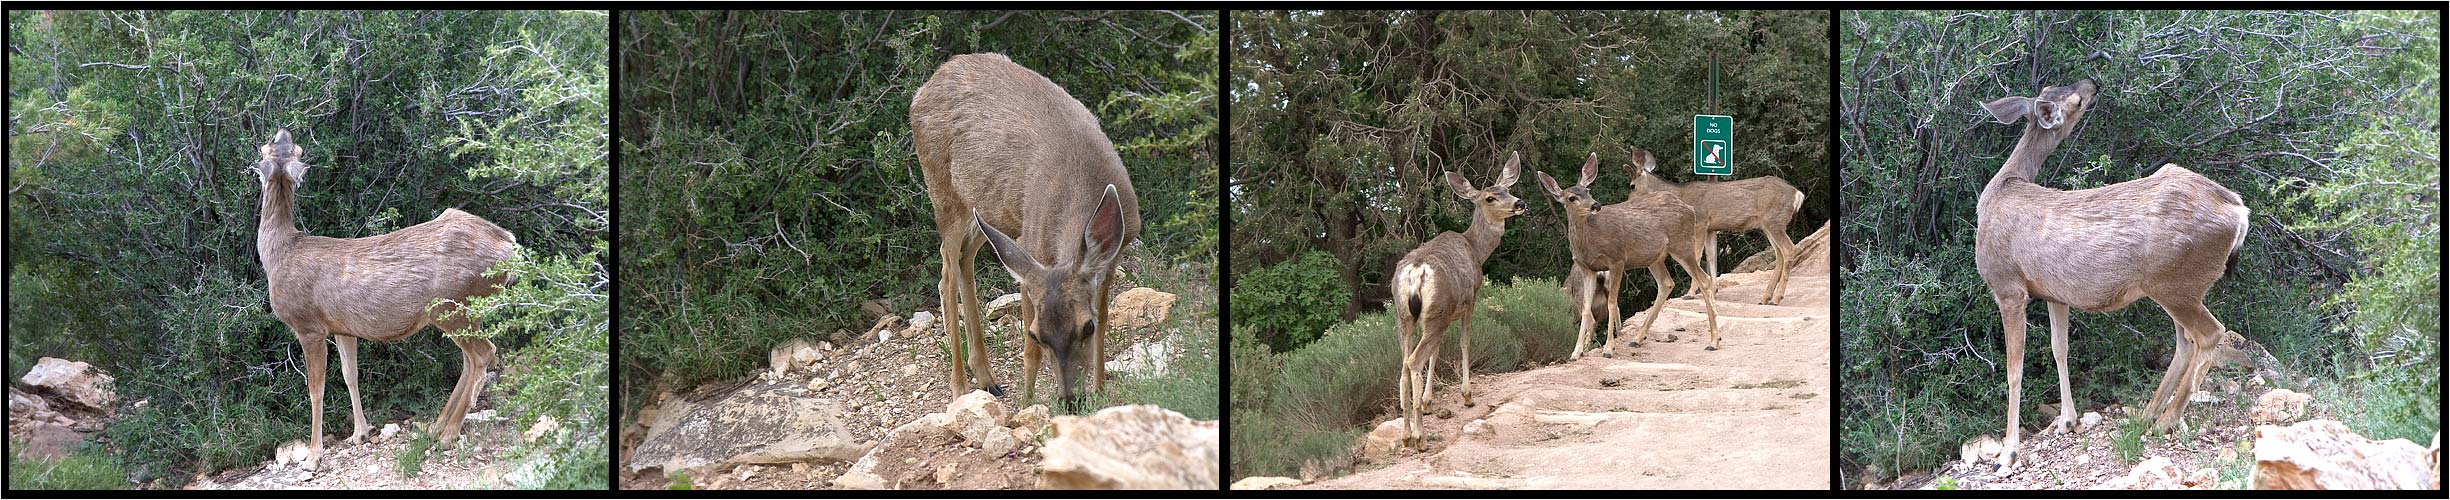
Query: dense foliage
2327, 123
768, 183
1344, 121
132, 213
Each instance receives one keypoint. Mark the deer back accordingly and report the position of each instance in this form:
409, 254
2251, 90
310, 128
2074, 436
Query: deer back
1647, 227
1002, 140
1732, 205
2102, 248
379, 287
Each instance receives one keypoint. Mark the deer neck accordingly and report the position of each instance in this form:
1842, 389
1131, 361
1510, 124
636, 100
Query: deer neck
2025, 162
1483, 235
276, 226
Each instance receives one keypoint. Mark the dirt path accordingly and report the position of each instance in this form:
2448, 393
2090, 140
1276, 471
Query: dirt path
1667, 415
476, 464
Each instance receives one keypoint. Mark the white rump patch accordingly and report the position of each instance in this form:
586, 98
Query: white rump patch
1415, 280
1799, 201
2242, 224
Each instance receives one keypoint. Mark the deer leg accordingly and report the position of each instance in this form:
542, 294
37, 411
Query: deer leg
2179, 356
1463, 360
948, 294
2202, 332
1409, 407
312, 342
977, 329
1433, 342
2012, 329
1031, 354
1709, 304
1786, 259
1709, 249
2058, 350
1582, 314
475, 355
1658, 305
348, 375
1616, 315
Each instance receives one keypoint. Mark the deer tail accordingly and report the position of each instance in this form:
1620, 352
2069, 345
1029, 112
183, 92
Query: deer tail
2243, 222
1413, 287
1798, 200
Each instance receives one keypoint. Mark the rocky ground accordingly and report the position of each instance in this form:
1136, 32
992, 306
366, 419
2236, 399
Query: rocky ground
1666, 415
485, 437
879, 398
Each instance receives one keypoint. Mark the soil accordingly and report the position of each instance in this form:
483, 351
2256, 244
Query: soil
1666, 415
475, 464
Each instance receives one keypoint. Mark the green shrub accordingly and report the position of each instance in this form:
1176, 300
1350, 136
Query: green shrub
1290, 303
411, 457
82, 469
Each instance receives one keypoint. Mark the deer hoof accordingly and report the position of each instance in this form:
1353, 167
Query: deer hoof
994, 390
1709, 348
1607, 355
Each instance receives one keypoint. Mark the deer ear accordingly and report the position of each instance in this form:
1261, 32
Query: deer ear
297, 173
1550, 183
1514, 165
1643, 161
1024, 269
281, 136
1104, 237
1461, 186
1590, 170
2009, 109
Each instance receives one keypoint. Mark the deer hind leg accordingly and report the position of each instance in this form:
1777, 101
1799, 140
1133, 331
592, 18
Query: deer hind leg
2012, 329
1410, 336
1658, 304
1463, 360
1786, 259
1709, 305
2201, 333
476, 355
1582, 313
311, 340
977, 329
348, 375
2058, 350
1616, 316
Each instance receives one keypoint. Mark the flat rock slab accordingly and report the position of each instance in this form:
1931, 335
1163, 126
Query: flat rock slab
760, 423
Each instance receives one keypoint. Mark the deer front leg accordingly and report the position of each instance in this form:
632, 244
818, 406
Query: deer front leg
1582, 315
2012, 329
1464, 360
1616, 315
2058, 349
969, 313
312, 342
1030, 354
1709, 305
947, 295
1786, 260
348, 375
1658, 304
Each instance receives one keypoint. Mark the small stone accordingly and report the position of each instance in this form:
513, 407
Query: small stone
799, 467
944, 474
748, 471
910, 370
1475, 427
921, 321
394, 428
819, 384
2203, 397
2084, 459
883, 336
2089, 420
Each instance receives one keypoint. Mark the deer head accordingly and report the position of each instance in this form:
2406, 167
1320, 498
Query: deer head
282, 160
1060, 298
1494, 204
1577, 199
1645, 172
2057, 109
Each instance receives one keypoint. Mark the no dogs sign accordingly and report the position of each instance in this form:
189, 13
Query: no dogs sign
1713, 145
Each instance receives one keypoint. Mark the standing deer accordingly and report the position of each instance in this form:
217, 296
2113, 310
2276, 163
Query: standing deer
2165, 236
381, 288
1005, 151
1643, 232
1762, 204
1439, 283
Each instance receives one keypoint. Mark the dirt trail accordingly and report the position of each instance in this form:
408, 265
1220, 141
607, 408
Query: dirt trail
1668, 415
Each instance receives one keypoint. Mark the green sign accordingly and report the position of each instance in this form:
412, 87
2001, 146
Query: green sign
1713, 145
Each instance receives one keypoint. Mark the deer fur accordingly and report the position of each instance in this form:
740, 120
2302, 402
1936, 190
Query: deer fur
379, 288
1006, 152
1439, 283
2166, 236
1762, 204
1645, 231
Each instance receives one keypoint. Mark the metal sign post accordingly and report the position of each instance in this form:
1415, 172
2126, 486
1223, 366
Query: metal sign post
1713, 135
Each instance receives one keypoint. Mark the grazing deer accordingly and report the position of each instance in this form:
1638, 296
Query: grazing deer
1005, 151
1643, 232
381, 288
2165, 236
1438, 283
1762, 204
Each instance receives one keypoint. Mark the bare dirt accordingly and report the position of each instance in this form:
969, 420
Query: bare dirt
1754, 414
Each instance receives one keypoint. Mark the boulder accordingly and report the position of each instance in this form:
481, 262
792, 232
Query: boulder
1145, 359
1980, 448
1139, 307
862, 476
2325, 454
1264, 482
977, 415
1384, 441
1131, 447
764, 423
2279, 406
2159, 473
1035, 418
73, 382
1003, 306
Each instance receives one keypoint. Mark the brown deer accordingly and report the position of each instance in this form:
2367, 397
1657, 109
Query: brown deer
1439, 283
381, 288
2165, 236
1005, 151
1645, 231
1762, 204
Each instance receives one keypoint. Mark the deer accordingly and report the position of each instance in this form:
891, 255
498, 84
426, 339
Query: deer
1439, 283
2167, 236
1644, 231
1764, 204
382, 288
1005, 153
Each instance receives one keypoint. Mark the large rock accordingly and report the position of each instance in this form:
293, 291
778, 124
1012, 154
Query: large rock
764, 423
977, 415
1003, 306
1145, 359
39, 431
2325, 455
1139, 307
73, 381
2279, 406
1384, 441
1131, 447
2159, 473
793, 355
